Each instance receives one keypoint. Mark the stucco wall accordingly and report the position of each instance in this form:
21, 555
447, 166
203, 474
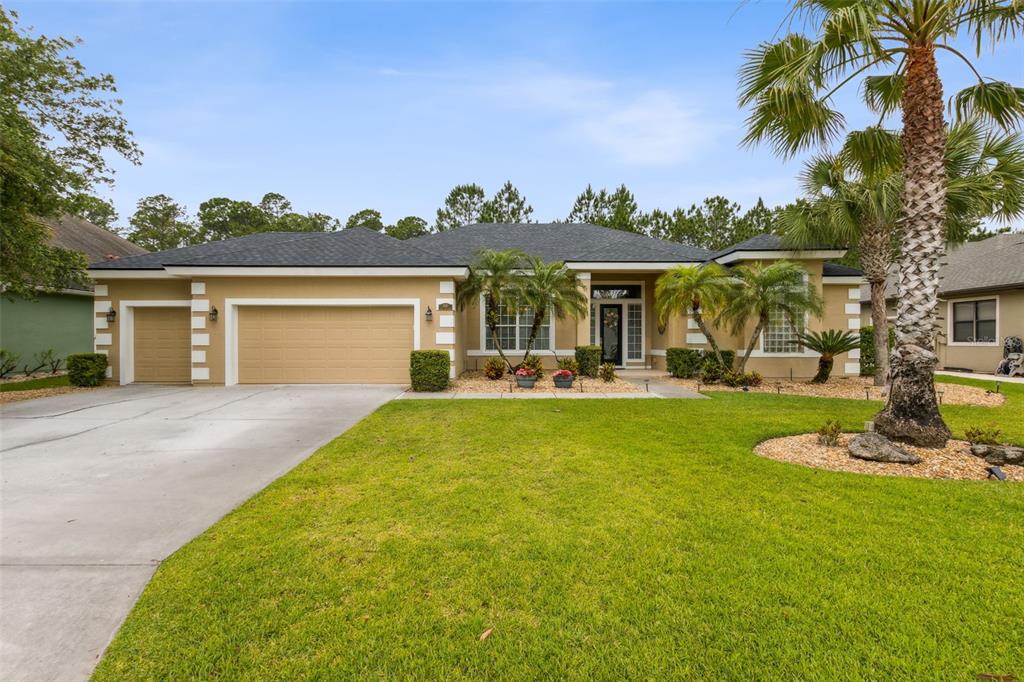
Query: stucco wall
980, 358
61, 322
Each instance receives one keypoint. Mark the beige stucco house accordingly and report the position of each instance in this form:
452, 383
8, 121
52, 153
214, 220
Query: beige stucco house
349, 306
981, 302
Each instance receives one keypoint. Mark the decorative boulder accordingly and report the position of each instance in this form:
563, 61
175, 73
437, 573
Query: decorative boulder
877, 448
999, 454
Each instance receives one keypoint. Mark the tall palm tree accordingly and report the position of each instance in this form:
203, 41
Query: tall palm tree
549, 288
758, 290
789, 85
697, 289
855, 198
496, 275
828, 344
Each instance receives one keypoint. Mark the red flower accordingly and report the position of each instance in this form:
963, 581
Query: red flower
525, 372
562, 373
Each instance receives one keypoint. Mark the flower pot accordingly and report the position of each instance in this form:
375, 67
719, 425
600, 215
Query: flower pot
526, 382
563, 382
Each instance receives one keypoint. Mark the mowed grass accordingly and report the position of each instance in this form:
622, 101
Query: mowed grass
597, 539
33, 384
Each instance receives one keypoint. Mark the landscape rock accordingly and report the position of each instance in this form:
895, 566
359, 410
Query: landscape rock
998, 454
877, 448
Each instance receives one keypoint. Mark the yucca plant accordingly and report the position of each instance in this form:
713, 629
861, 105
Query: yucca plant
829, 344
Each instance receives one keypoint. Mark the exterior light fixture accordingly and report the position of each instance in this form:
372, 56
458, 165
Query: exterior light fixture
213, 314
430, 314
111, 314
996, 473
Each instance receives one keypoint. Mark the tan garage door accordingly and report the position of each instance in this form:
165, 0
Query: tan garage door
324, 345
163, 345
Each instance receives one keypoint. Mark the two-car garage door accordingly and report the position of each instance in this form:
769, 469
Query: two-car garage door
324, 344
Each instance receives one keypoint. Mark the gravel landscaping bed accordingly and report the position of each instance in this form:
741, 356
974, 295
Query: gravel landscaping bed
856, 388
476, 382
953, 461
17, 396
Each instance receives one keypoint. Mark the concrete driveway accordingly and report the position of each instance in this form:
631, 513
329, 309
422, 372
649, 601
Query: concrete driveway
99, 487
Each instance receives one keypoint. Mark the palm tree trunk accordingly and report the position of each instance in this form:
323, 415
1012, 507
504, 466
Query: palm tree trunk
761, 323
912, 412
874, 257
825, 363
534, 330
492, 327
699, 319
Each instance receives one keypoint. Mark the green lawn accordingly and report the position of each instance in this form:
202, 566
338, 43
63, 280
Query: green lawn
33, 384
600, 540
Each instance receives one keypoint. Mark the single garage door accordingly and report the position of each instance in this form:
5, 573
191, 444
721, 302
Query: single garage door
163, 345
324, 345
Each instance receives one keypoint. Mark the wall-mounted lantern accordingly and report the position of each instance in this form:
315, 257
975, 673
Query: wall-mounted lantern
111, 314
430, 314
213, 314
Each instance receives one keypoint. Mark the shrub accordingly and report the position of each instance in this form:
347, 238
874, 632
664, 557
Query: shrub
867, 349
494, 368
712, 373
588, 359
569, 364
39, 361
52, 360
980, 435
829, 432
607, 372
8, 362
428, 369
88, 369
732, 378
683, 363
711, 359
534, 362
753, 379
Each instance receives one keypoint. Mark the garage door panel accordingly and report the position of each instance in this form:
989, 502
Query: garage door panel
301, 344
162, 345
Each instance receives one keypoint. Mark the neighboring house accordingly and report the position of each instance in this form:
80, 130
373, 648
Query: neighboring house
981, 302
349, 306
61, 321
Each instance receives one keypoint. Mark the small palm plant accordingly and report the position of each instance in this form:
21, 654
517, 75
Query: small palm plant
697, 290
829, 344
757, 290
549, 288
496, 276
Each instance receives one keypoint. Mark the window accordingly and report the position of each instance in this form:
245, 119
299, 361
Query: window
593, 325
974, 321
634, 332
514, 331
780, 335
615, 291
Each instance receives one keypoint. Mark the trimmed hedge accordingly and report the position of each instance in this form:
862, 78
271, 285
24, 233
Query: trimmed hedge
729, 356
867, 349
589, 360
683, 363
87, 369
428, 370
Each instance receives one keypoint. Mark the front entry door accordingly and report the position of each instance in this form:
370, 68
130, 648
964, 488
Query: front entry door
611, 333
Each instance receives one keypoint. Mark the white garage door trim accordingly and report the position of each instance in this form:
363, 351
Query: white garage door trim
126, 330
231, 320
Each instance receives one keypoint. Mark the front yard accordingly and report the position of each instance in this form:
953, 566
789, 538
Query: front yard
594, 539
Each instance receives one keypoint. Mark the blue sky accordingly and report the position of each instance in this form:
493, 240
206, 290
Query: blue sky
344, 106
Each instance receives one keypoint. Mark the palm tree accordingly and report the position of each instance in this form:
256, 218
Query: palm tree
549, 287
789, 85
854, 198
758, 290
829, 344
496, 276
700, 289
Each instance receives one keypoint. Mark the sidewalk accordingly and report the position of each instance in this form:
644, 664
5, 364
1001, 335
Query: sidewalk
984, 377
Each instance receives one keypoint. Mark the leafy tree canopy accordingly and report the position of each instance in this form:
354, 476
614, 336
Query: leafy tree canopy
617, 209
506, 206
368, 218
97, 211
58, 126
159, 224
408, 228
461, 207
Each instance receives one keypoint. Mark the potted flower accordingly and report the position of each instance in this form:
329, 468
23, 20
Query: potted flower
563, 378
526, 377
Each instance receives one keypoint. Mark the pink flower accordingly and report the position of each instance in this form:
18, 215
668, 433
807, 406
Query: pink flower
525, 372
562, 373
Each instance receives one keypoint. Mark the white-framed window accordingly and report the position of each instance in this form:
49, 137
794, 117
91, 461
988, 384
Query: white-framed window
514, 329
975, 321
634, 332
780, 336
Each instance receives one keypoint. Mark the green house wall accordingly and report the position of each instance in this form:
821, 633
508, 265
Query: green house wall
63, 322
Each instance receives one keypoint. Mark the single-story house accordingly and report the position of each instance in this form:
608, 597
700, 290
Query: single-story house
61, 321
981, 302
349, 306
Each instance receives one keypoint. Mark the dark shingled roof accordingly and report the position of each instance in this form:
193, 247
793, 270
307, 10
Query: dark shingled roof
837, 270
95, 243
361, 247
571, 242
770, 242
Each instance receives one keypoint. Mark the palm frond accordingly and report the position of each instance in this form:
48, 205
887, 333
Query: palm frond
996, 101
883, 94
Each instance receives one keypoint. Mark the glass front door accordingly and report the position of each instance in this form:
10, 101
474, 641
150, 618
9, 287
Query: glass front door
611, 333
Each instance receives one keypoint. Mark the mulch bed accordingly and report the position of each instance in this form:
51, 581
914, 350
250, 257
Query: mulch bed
954, 461
476, 382
857, 388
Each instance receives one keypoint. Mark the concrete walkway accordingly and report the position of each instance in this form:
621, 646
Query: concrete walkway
984, 377
99, 487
